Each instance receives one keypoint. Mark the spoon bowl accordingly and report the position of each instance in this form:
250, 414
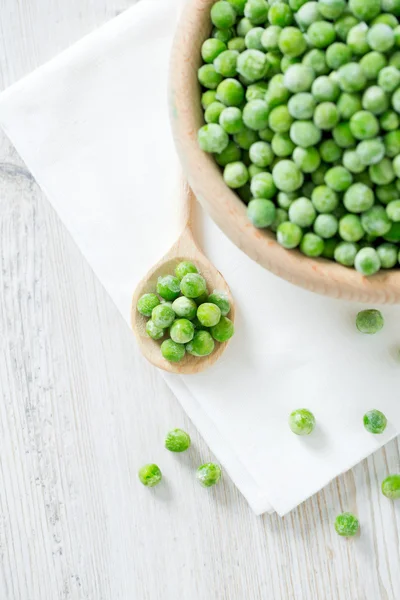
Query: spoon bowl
185, 248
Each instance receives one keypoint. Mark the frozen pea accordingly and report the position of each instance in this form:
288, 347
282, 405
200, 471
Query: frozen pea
208, 314
338, 54
254, 170
365, 10
296, 4
221, 300
301, 106
213, 112
168, 287
392, 143
338, 179
282, 145
172, 351
237, 44
393, 211
292, 42
202, 344
372, 63
280, 217
231, 154
270, 37
287, 176
223, 15
386, 18
331, 9
367, 261
350, 228
243, 27
298, 78
369, 321
388, 255
150, 475
236, 174
343, 136
209, 474
261, 213
307, 159
326, 226
284, 199
146, 303
351, 77
230, 91
324, 199
312, 245
326, 115
263, 186
177, 440
324, 89
163, 316
225, 63
280, 14
184, 307
273, 62
208, 98
389, 121
266, 134
330, 151
245, 138
211, 48
391, 487
321, 34
302, 212
208, 77
345, 253
343, 26
346, 524
255, 114
224, 35
156, 333
364, 125
223, 330
230, 119
277, 93
253, 38
375, 100
212, 138
256, 91
358, 198
370, 152
302, 421
316, 60
382, 172
261, 154
389, 79
181, 331
252, 64
357, 39
387, 193
193, 285
289, 235
307, 14
352, 162
280, 119
380, 37
375, 221
305, 134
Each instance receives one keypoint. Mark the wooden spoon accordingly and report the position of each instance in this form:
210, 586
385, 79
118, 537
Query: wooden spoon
185, 248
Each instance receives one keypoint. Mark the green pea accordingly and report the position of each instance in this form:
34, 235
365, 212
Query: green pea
346, 524
202, 344
208, 474
223, 330
391, 487
375, 421
146, 303
367, 261
150, 475
172, 351
289, 235
302, 421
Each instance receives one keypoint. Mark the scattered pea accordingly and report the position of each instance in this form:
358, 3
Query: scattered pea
346, 525
369, 321
375, 421
177, 440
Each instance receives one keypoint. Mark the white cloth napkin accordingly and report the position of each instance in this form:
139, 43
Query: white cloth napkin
92, 126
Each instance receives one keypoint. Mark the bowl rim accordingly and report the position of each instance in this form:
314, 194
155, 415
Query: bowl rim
224, 206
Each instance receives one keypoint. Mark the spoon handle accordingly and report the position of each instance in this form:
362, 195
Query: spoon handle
188, 205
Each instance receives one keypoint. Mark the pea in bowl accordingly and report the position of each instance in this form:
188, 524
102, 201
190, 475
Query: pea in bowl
302, 173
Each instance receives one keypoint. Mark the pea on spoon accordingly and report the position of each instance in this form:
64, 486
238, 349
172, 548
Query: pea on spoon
185, 248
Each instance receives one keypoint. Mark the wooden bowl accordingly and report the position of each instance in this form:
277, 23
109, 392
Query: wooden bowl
225, 207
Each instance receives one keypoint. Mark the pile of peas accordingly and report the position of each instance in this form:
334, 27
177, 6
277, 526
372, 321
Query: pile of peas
302, 107
193, 319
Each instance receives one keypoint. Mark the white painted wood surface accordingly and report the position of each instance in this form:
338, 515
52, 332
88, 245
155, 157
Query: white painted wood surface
80, 411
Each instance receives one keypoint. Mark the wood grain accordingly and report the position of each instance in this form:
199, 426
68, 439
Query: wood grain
225, 207
81, 409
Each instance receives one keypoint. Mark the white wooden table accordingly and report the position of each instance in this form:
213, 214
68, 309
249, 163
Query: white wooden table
80, 411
